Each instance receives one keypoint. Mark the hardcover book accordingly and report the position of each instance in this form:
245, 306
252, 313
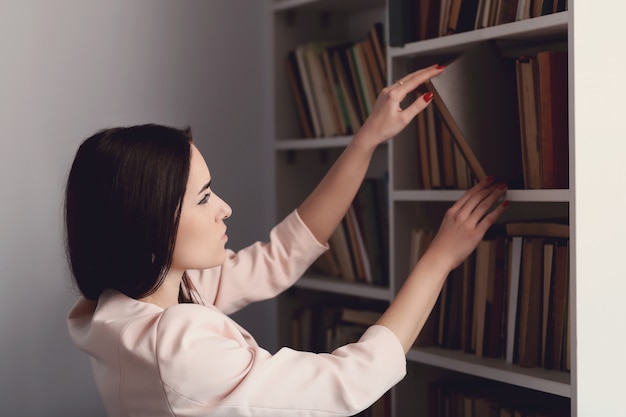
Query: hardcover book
476, 96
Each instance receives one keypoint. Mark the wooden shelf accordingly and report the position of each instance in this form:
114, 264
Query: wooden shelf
552, 382
549, 196
317, 143
335, 285
325, 5
543, 27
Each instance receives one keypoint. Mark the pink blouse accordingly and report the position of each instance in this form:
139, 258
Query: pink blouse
193, 360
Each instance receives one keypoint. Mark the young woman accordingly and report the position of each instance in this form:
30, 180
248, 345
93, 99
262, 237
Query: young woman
146, 244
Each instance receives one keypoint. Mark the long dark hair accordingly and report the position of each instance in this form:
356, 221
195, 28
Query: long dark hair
122, 208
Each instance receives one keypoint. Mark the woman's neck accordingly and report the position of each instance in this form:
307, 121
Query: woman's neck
167, 294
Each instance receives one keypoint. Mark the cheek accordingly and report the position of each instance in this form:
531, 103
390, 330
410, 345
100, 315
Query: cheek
198, 245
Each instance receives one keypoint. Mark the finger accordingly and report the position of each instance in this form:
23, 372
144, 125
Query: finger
413, 80
483, 206
486, 182
491, 218
418, 105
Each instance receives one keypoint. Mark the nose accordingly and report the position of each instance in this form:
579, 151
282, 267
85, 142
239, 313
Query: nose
226, 210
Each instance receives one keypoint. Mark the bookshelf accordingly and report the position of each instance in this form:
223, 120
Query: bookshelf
301, 162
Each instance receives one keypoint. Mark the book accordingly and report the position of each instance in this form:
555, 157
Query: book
433, 147
364, 77
444, 17
485, 263
546, 228
339, 244
527, 89
376, 37
357, 244
340, 114
429, 334
297, 90
548, 257
467, 303
300, 52
366, 210
476, 96
496, 302
376, 75
558, 304
553, 99
507, 11
428, 18
349, 96
320, 88
350, 64
529, 336
513, 271
454, 317
423, 155
454, 13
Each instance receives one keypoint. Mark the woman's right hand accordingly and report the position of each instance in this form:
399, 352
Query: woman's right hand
466, 222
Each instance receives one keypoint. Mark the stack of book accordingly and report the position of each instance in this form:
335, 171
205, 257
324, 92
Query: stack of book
335, 85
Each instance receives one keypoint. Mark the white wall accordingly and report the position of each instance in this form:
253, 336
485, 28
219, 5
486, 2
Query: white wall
71, 67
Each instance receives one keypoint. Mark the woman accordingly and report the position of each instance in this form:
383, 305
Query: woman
145, 240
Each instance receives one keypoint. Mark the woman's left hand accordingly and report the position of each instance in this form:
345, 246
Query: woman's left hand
387, 118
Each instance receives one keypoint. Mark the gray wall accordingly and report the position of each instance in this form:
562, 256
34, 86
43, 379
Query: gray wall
71, 67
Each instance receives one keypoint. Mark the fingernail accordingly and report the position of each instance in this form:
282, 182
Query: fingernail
490, 178
440, 66
501, 185
428, 96
506, 203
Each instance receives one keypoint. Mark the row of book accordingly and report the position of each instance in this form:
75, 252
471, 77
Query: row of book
335, 85
415, 20
543, 97
507, 116
441, 163
358, 249
469, 398
509, 299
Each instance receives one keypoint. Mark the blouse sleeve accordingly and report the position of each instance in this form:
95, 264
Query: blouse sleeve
261, 270
208, 369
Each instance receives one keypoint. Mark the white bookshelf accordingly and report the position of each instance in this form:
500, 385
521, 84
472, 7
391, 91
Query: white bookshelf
300, 163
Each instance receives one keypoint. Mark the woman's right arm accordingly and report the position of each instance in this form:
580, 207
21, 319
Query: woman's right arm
462, 228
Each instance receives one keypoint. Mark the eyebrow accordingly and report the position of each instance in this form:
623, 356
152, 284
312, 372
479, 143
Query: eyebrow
205, 187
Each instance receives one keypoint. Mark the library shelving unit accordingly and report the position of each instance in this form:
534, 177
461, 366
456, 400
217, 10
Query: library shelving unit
299, 164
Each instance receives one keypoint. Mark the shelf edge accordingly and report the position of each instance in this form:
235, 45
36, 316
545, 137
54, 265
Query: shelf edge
494, 369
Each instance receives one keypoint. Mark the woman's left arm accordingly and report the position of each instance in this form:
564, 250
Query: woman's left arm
324, 208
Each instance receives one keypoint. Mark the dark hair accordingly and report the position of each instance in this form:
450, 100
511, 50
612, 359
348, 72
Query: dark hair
122, 208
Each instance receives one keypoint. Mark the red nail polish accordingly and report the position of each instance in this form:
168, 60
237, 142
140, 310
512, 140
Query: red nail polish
501, 185
506, 203
441, 66
490, 178
428, 96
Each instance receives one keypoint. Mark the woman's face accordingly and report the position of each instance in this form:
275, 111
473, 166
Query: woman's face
201, 232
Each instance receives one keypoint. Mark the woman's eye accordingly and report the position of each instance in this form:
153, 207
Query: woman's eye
205, 198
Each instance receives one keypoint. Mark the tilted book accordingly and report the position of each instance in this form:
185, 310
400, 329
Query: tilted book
476, 96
